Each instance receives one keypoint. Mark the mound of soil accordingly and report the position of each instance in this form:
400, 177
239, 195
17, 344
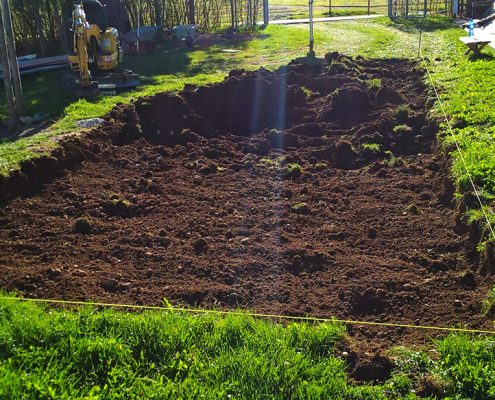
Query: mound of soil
303, 191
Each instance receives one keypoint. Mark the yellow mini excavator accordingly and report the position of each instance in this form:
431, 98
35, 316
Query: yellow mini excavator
97, 53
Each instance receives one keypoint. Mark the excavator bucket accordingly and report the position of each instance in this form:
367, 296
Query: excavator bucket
116, 82
104, 84
87, 92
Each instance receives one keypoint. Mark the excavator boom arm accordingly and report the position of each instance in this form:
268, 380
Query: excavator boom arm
80, 26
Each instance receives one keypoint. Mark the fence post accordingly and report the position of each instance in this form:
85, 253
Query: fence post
329, 8
369, 1
455, 8
266, 13
250, 14
311, 37
390, 9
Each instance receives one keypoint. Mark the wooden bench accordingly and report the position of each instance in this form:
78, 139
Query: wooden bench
473, 44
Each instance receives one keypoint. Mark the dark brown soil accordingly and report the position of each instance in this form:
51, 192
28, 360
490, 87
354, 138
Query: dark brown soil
256, 193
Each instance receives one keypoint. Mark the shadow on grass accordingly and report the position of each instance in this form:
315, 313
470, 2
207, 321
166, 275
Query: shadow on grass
43, 94
7, 137
162, 62
427, 24
481, 56
346, 13
209, 54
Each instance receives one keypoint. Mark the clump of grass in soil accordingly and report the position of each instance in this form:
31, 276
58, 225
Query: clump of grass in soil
402, 130
488, 305
122, 203
372, 147
394, 161
402, 113
308, 92
270, 162
83, 225
301, 208
119, 202
293, 170
320, 166
413, 209
374, 84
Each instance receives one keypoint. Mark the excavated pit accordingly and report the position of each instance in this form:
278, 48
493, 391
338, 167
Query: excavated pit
312, 190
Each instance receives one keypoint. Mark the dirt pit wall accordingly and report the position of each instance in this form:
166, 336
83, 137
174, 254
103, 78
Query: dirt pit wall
299, 105
315, 189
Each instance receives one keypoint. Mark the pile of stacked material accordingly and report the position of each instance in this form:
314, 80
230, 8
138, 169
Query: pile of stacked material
30, 64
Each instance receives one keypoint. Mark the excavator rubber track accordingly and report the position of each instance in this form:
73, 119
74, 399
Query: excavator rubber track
105, 84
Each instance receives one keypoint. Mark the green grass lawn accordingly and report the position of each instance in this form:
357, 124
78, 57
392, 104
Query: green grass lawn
107, 354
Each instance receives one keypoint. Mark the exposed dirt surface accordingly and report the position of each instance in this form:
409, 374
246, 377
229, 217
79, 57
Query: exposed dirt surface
313, 190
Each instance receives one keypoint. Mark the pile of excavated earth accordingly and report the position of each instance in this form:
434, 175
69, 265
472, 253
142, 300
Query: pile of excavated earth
316, 189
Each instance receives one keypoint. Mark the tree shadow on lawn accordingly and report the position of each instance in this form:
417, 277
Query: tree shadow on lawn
161, 62
30, 130
209, 54
429, 24
43, 94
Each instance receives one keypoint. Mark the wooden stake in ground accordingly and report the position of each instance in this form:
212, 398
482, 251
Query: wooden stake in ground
12, 56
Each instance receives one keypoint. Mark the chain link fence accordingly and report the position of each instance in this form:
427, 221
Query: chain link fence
291, 9
421, 8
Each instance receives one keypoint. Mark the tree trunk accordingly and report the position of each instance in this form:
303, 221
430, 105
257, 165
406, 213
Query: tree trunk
52, 13
39, 32
12, 55
191, 19
158, 12
7, 80
64, 33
